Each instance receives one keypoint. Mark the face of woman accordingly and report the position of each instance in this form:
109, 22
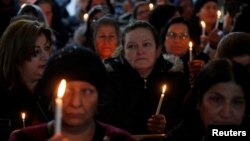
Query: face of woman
106, 41
32, 70
140, 49
208, 13
79, 103
223, 104
177, 38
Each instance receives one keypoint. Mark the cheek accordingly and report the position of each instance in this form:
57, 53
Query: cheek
207, 113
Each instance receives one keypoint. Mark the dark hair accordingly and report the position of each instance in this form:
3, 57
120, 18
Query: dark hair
220, 70
200, 3
33, 10
110, 7
160, 16
17, 46
140, 24
137, 6
234, 44
175, 20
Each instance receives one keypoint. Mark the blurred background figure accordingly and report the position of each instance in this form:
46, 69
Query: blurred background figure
25, 48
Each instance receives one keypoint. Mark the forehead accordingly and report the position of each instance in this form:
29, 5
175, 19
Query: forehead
140, 32
178, 27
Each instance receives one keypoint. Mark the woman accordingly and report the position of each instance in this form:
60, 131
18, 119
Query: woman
219, 96
175, 39
24, 51
85, 75
136, 78
106, 37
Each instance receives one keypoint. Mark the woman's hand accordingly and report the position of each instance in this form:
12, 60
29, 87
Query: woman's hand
157, 123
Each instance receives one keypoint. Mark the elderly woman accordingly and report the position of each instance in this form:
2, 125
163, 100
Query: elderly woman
136, 78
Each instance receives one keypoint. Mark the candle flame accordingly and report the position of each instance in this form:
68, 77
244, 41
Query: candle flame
23, 115
164, 88
218, 14
190, 45
151, 6
61, 88
203, 24
85, 17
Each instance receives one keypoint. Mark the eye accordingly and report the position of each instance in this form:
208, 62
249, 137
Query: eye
87, 92
238, 101
36, 52
131, 46
47, 48
216, 100
147, 44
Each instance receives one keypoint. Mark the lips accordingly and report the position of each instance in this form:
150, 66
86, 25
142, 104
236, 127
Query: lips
75, 115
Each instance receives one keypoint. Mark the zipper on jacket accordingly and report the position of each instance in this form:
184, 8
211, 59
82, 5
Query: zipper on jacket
145, 83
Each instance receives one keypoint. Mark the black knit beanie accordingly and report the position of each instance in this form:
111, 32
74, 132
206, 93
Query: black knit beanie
199, 4
73, 63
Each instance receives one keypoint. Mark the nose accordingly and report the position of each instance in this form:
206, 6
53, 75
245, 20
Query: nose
226, 111
139, 50
76, 100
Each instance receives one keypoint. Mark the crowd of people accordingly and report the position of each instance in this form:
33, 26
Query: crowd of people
115, 65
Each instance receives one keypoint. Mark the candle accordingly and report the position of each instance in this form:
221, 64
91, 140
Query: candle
190, 51
203, 25
85, 17
59, 103
161, 99
23, 115
218, 19
151, 6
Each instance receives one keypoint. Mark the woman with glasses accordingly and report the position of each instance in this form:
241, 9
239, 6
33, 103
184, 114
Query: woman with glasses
25, 48
136, 78
175, 39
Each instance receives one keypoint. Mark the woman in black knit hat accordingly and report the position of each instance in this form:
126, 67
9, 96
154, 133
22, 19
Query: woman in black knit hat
85, 75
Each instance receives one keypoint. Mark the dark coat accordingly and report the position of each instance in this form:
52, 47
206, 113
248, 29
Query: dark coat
131, 100
43, 132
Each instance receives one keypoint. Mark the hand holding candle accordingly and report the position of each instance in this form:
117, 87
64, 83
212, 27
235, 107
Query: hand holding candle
59, 103
190, 51
218, 19
161, 99
203, 25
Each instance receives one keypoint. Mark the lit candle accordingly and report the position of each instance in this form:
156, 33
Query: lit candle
190, 51
23, 115
161, 99
203, 25
59, 103
218, 19
151, 6
85, 17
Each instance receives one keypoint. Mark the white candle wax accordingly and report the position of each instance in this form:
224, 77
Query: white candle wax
190, 51
218, 19
59, 104
151, 6
23, 118
161, 99
203, 25
58, 115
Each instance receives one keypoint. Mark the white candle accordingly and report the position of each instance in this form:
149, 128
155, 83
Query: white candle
203, 25
85, 17
161, 99
23, 115
59, 104
190, 51
151, 6
218, 19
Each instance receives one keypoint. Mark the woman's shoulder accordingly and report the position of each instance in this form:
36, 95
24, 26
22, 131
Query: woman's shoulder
37, 132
